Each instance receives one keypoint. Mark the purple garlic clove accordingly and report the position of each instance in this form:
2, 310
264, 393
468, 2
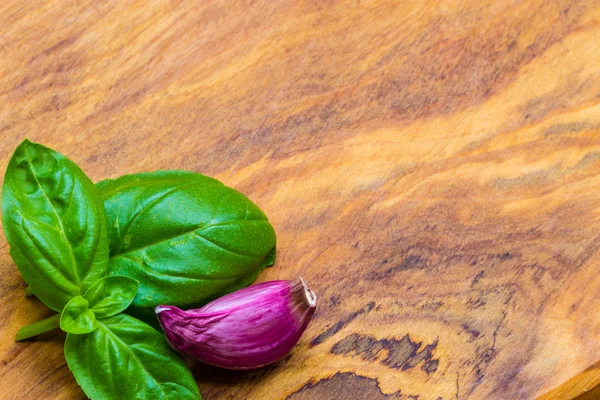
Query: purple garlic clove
250, 328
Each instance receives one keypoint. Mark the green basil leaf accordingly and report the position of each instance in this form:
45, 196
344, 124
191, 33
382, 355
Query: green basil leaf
55, 224
126, 359
111, 295
185, 237
77, 317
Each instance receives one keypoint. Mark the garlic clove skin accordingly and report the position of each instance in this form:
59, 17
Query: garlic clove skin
250, 328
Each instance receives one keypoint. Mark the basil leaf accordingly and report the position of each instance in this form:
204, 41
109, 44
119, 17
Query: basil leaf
185, 237
77, 317
54, 223
127, 359
111, 295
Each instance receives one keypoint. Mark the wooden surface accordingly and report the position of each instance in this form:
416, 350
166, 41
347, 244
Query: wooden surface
432, 169
583, 386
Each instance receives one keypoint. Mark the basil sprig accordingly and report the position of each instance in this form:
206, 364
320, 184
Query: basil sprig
55, 223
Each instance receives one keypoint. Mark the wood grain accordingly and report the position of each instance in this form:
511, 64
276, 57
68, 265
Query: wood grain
431, 168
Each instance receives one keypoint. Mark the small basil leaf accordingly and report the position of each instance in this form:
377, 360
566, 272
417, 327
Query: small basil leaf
55, 224
126, 359
111, 295
77, 317
185, 237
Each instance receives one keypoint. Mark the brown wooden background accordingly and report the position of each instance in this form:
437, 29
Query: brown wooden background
432, 168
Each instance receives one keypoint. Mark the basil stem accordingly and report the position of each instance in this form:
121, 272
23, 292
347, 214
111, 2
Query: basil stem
37, 328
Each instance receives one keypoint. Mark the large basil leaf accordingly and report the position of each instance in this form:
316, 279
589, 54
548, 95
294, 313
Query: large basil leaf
185, 237
126, 359
54, 223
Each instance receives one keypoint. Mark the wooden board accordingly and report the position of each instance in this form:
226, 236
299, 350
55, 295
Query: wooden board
432, 169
